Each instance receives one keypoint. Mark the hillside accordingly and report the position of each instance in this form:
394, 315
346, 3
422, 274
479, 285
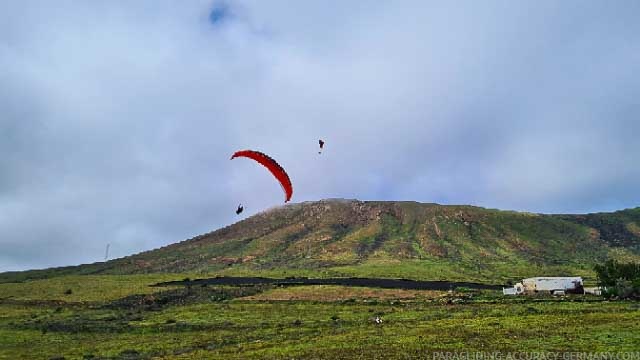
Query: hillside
390, 239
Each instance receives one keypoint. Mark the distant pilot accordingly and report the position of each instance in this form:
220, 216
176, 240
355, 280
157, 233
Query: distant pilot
321, 146
239, 210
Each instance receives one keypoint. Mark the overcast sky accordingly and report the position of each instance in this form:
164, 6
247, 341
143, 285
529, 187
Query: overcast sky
118, 118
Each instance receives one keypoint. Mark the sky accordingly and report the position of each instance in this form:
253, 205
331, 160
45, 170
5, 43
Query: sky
118, 118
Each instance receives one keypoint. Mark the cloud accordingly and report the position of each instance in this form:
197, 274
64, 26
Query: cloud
119, 118
219, 13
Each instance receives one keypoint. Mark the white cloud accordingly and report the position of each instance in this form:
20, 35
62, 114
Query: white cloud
119, 118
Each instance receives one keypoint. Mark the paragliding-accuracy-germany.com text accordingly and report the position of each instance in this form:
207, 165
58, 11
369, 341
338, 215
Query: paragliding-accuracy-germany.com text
535, 355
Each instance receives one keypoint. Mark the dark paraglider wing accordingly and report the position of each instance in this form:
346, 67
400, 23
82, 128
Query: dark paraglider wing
321, 143
275, 169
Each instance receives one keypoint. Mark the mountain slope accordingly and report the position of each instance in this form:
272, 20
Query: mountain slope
394, 239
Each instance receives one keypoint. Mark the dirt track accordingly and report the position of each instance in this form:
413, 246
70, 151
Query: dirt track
366, 282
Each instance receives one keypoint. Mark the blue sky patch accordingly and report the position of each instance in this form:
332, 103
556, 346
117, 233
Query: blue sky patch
219, 14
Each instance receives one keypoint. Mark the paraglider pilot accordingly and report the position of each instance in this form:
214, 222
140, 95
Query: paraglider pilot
239, 210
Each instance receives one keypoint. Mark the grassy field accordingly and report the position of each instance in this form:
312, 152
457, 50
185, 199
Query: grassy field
108, 310
121, 317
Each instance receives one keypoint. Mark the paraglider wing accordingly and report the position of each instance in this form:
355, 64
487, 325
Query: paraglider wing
321, 143
272, 166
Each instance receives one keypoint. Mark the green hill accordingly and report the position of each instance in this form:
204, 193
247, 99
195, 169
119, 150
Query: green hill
390, 239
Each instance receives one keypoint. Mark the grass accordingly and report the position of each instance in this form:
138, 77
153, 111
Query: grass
97, 321
102, 311
87, 288
338, 293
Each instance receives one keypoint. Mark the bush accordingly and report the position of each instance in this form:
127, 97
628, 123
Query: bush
130, 354
619, 280
625, 288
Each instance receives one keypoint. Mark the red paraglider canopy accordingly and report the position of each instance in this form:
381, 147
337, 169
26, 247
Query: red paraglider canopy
271, 165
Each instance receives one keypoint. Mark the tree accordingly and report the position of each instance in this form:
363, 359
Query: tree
620, 280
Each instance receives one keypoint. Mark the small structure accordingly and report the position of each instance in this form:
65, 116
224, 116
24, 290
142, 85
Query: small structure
548, 285
517, 289
593, 290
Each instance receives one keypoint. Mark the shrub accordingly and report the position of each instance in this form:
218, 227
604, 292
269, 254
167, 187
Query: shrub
130, 354
619, 279
625, 288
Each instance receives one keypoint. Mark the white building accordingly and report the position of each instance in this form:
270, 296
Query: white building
550, 285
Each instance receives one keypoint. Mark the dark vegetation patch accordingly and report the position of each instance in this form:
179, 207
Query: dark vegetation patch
612, 227
131, 354
123, 313
193, 292
365, 282
42, 303
390, 225
79, 325
279, 254
620, 280
340, 230
369, 245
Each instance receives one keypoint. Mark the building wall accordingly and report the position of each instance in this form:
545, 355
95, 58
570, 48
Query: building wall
552, 283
